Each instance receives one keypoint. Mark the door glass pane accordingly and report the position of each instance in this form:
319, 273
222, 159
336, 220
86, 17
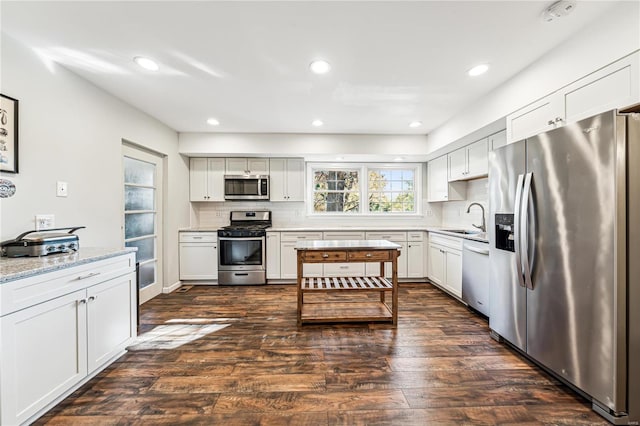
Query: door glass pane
139, 172
138, 225
147, 274
145, 248
140, 194
136, 198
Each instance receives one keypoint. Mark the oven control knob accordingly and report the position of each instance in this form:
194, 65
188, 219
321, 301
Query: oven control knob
50, 248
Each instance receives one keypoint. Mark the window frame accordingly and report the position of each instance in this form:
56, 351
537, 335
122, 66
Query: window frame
363, 190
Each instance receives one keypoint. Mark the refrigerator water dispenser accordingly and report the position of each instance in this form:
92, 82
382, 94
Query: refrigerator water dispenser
504, 232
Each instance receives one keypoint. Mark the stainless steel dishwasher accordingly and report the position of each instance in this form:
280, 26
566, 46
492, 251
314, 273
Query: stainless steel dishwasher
475, 275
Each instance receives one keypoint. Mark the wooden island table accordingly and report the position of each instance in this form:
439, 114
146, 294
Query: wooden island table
350, 310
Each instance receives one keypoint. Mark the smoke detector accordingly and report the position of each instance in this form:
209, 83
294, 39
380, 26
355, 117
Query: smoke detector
558, 10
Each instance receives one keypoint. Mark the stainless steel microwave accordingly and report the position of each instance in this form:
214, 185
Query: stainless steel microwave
246, 187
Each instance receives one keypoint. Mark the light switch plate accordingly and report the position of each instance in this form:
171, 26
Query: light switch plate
62, 189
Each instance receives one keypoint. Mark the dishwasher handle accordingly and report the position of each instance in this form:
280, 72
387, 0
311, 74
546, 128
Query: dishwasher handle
477, 250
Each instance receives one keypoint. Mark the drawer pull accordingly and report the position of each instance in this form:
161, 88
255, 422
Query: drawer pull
197, 238
84, 277
325, 255
368, 254
302, 238
344, 267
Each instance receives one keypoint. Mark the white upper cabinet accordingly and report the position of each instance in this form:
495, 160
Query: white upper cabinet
206, 179
247, 166
497, 140
614, 86
438, 186
286, 178
468, 162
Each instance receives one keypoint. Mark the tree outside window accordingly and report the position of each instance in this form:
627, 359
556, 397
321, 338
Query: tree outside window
391, 190
336, 191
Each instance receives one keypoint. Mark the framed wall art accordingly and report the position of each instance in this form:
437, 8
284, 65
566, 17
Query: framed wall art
8, 134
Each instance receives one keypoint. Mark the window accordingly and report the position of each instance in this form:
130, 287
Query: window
391, 190
336, 191
386, 188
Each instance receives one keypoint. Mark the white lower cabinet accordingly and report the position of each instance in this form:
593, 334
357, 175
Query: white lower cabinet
273, 255
50, 348
198, 256
288, 255
445, 263
343, 269
415, 259
109, 314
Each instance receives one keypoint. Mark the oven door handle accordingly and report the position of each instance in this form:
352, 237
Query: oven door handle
240, 238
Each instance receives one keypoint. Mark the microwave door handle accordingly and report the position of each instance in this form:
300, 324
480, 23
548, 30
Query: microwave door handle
517, 231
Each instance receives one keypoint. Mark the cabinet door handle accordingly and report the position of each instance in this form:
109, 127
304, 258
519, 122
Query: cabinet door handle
559, 120
82, 301
92, 298
84, 277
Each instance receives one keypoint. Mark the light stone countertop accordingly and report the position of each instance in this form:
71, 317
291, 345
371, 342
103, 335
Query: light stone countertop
14, 268
481, 236
347, 244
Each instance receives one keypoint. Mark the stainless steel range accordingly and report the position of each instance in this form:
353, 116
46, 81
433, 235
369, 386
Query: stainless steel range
241, 248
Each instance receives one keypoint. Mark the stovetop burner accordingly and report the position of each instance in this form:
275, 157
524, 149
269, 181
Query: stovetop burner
247, 224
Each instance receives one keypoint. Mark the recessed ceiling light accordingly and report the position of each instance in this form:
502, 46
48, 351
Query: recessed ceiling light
146, 63
415, 124
478, 69
213, 122
317, 123
320, 66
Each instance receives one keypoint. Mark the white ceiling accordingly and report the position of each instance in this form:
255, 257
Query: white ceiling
246, 63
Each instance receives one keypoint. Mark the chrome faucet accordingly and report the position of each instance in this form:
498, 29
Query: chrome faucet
483, 226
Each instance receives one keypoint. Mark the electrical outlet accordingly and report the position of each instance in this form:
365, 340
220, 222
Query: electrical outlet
218, 213
429, 213
45, 221
62, 189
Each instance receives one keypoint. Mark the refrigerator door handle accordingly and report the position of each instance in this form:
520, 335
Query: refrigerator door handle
524, 231
517, 230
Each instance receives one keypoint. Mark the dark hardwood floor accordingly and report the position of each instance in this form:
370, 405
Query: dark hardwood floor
234, 355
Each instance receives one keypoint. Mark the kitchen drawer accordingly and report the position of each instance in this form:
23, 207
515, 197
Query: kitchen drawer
415, 236
389, 236
446, 241
328, 256
26, 292
369, 256
343, 269
346, 235
198, 237
297, 236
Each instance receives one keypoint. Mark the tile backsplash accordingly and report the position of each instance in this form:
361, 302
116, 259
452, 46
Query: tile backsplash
292, 215
454, 213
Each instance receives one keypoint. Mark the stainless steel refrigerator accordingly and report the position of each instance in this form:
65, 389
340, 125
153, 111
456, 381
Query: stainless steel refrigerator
564, 232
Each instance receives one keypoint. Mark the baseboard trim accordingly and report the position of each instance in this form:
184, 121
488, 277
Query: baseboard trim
172, 287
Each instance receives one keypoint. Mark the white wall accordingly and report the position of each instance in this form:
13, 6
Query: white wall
72, 131
611, 37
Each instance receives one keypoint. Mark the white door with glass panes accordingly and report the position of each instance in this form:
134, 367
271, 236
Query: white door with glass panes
143, 216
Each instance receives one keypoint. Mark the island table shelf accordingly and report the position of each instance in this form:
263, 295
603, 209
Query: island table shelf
345, 251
